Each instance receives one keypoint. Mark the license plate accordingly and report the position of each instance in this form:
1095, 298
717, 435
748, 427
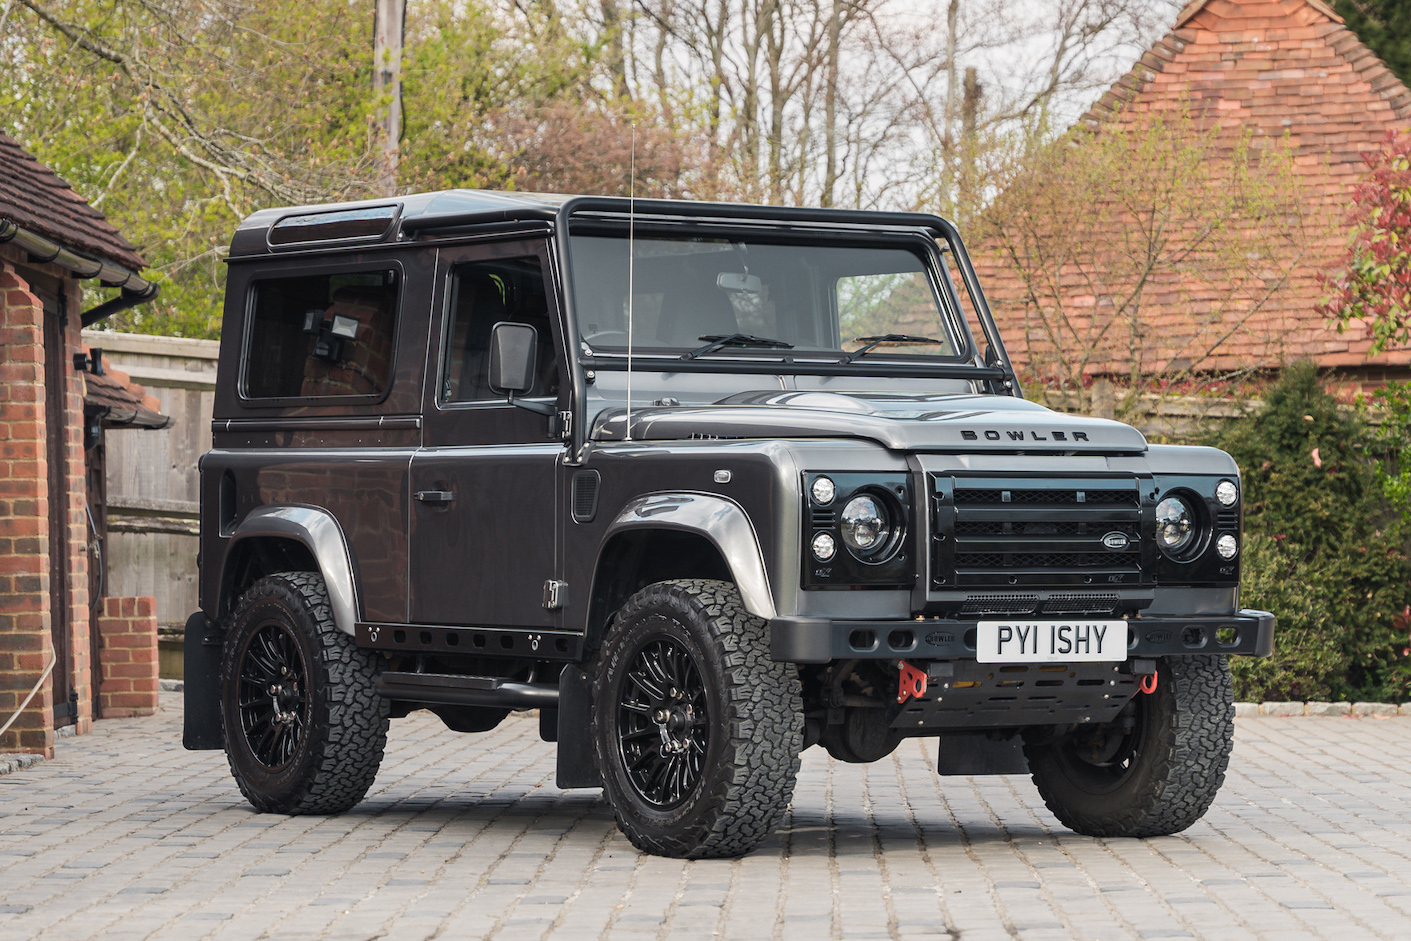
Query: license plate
1050, 641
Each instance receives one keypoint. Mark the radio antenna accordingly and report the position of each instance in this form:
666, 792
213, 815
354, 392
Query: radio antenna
631, 272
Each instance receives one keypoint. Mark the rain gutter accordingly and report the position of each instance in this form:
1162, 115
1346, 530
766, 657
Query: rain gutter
135, 289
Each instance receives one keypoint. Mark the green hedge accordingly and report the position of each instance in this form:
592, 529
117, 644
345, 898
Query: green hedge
1324, 549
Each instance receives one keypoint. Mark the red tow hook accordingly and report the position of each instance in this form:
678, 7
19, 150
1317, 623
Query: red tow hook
1147, 684
912, 682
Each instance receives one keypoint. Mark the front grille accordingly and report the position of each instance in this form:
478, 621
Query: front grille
1000, 604
1037, 528
1002, 532
1041, 497
1081, 604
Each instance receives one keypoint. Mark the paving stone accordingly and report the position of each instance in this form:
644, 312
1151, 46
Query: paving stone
1281, 708
466, 836
1374, 709
1328, 708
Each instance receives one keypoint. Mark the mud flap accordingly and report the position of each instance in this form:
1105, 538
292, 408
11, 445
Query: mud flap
201, 685
577, 766
978, 753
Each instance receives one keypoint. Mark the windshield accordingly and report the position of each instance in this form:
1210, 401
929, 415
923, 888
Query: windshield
768, 298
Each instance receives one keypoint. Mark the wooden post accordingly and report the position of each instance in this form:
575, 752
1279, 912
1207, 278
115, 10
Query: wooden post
389, 29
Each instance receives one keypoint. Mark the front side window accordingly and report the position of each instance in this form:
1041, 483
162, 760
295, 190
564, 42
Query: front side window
483, 294
822, 297
321, 335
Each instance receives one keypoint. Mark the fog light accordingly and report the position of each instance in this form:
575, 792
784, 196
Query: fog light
1227, 546
824, 547
1227, 493
823, 491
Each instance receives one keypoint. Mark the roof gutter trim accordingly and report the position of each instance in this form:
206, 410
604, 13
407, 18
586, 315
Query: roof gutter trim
135, 289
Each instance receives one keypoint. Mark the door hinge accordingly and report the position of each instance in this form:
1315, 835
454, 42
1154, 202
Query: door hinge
555, 594
565, 425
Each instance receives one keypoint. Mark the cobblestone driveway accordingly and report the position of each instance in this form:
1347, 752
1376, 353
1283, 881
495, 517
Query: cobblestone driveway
126, 835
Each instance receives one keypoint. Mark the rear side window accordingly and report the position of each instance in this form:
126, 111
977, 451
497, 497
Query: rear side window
321, 335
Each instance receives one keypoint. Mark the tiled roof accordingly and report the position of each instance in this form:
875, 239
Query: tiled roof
123, 402
1276, 69
36, 198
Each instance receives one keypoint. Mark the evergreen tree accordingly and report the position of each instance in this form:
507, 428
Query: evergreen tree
1385, 26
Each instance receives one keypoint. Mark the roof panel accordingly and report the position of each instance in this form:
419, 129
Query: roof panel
36, 198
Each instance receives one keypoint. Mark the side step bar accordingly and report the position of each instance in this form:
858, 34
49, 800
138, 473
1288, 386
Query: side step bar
456, 690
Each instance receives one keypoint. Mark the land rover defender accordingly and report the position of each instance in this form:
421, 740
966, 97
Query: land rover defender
705, 485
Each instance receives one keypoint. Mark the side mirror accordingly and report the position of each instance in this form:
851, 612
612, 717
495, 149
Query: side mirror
514, 353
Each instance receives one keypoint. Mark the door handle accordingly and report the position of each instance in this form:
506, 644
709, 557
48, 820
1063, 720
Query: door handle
435, 496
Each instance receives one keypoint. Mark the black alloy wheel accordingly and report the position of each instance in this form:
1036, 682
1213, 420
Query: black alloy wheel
696, 729
274, 711
304, 725
1152, 771
663, 723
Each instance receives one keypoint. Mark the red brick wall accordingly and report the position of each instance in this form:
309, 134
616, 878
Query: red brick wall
128, 659
24, 519
79, 533
25, 539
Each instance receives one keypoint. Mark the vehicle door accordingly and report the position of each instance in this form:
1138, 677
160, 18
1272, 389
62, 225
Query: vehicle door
484, 514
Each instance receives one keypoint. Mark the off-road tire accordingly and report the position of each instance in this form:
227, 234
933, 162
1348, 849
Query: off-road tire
341, 721
753, 728
1182, 738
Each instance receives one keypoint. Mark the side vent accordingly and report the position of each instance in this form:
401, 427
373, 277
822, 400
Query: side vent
585, 496
226, 505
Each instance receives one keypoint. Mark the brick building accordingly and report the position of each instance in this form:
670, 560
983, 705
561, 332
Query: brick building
1257, 74
67, 654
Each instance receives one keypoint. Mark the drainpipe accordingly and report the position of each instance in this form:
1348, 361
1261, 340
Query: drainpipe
135, 289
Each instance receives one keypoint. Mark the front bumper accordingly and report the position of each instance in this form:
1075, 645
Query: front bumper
1249, 633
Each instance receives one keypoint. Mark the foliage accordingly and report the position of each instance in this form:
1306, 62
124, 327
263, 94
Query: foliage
1322, 550
1155, 209
1374, 292
1385, 26
179, 117
1393, 439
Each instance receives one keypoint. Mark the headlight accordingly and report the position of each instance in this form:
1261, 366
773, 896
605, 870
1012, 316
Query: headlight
1227, 545
854, 529
865, 524
1227, 493
1175, 525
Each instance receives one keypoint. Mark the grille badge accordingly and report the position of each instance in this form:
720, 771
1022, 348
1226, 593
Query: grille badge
1116, 541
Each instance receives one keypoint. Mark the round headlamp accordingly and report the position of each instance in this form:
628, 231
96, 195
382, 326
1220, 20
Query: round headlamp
824, 548
866, 525
823, 490
1175, 525
1227, 545
1227, 493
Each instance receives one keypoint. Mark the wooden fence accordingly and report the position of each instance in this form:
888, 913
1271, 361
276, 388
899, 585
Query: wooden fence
153, 487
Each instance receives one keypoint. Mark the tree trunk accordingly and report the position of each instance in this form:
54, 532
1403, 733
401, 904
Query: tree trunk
615, 59
389, 30
830, 108
967, 196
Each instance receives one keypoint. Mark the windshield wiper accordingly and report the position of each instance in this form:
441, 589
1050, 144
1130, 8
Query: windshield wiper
873, 342
736, 339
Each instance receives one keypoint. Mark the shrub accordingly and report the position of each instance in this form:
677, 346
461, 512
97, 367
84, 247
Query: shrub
1324, 549
1393, 439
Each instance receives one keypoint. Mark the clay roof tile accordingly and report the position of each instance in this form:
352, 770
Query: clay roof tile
36, 198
